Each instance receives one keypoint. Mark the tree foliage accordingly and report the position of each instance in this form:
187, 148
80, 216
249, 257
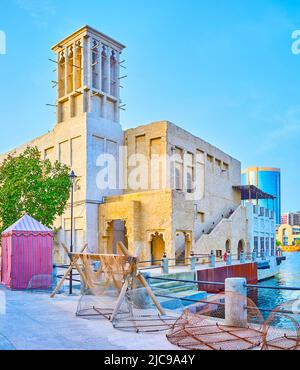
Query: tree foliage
30, 185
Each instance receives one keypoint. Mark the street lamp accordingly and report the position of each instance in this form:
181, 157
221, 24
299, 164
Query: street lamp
72, 178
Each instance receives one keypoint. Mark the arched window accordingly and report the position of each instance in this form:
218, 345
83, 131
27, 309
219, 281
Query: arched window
70, 70
113, 74
61, 75
78, 66
228, 246
104, 71
95, 65
157, 248
241, 248
285, 234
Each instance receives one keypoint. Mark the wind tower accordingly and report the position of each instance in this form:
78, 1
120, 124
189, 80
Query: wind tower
88, 109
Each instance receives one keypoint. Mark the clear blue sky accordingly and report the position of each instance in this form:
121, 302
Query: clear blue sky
223, 70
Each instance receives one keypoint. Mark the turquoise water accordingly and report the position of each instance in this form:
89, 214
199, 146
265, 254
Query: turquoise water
289, 276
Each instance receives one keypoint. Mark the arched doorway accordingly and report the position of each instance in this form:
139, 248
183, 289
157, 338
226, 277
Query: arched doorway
158, 248
228, 246
285, 238
241, 248
115, 232
183, 246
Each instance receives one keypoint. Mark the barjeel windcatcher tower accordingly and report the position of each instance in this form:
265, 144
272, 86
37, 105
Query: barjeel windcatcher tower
88, 119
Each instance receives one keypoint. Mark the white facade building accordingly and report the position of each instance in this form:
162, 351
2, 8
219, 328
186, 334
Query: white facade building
261, 230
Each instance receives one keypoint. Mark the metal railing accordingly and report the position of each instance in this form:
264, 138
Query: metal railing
219, 303
223, 284
202, 259
273, 287
187, 281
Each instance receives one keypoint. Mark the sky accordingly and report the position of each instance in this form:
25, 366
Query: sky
222, 69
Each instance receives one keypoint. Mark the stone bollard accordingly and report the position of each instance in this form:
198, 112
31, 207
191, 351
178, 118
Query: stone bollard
254, 257
212, 259
165, 264
193, 262
228, 260
236, 302
242, 257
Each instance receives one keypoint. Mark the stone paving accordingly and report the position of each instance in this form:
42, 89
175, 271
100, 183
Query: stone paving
35, 321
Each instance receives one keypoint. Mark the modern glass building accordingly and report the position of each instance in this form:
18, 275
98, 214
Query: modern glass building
268, 180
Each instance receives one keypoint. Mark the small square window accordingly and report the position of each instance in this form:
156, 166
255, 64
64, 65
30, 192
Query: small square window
200, 156
210, 158
201, 217
218, 162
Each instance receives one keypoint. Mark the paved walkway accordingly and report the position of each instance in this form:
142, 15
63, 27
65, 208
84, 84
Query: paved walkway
35, 321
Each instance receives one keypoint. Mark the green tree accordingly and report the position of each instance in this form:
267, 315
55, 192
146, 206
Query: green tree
30, 185
278, 243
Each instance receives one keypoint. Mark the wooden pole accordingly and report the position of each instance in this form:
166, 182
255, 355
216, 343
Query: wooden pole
150, 293
120, 300
72, 264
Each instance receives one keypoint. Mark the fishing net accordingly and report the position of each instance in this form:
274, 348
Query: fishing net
40, 283
204, 328
103, 279
97, 303
282, 328
139, 314
100, 274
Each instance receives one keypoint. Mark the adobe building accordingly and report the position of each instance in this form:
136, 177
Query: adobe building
172, 191
289, 237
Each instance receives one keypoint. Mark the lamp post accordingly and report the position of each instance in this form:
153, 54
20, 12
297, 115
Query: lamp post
72, 178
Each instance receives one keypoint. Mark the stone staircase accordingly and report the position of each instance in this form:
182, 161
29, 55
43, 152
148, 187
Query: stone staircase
176, 290
227, 226
203, 235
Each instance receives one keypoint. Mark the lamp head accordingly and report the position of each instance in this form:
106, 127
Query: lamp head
72, 177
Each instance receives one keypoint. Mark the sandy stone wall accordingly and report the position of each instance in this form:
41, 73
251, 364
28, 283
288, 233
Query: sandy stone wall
145, 214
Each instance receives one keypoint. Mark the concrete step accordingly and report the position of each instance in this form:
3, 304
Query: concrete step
170, 284
159, 283
177, 303
183, 288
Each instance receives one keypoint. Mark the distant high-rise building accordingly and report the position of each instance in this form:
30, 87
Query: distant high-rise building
297, 218
269, 180
285, 219
291, 218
